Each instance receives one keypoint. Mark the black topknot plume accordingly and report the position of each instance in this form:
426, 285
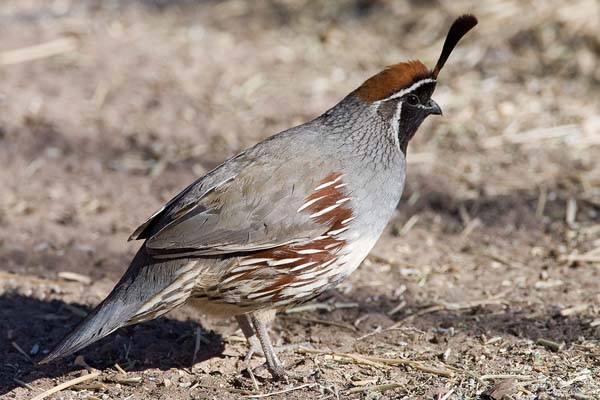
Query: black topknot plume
459, 28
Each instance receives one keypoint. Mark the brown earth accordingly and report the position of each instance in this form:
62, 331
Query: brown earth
496, 243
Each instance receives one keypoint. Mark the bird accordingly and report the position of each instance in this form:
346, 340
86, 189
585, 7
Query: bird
281, 222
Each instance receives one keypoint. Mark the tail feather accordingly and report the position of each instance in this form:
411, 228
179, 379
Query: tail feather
148, 289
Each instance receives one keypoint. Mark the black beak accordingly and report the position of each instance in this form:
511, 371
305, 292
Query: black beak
434, 108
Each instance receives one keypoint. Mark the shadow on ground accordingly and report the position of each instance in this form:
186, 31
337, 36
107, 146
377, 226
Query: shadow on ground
29, 323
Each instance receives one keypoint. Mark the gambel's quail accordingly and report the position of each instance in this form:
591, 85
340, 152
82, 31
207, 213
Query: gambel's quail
283, 221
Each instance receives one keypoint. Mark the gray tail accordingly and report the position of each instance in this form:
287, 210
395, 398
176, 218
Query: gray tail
137, 297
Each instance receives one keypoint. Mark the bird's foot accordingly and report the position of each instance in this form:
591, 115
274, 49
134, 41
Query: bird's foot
280, 373
256, 348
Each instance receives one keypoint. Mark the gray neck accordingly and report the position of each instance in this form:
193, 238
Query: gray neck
365, 133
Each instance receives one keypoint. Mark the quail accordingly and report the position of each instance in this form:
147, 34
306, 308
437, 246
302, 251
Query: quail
281, 222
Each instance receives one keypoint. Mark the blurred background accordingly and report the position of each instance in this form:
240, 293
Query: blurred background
110, 108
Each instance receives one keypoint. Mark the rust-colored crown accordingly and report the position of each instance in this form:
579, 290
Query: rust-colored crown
402, 75
391, 80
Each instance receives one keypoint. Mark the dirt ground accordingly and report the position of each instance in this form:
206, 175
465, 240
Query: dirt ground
486, 284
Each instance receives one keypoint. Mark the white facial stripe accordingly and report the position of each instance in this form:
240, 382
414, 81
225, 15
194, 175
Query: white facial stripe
395, 122
404, 91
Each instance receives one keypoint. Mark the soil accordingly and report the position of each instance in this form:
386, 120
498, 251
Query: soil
486, 283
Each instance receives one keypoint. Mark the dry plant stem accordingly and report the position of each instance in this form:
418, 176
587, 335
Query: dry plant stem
449, 307
447, 395
262, 396
121, 370
505, 376
228, 389
66, 385
332, 323
24, 384
254, 381
36, 52
549, 344
381, 362
377, 388
16, 346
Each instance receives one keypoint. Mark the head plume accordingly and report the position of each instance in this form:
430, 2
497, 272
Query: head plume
459, 28
402, 75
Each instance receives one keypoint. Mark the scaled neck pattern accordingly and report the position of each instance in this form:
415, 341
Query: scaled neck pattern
364, 132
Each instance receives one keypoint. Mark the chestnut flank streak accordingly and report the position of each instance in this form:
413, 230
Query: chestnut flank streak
300, 265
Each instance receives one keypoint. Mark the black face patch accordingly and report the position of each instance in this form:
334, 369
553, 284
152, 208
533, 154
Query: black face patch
414, 110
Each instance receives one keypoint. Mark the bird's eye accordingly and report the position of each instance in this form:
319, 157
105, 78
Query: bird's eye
412, 99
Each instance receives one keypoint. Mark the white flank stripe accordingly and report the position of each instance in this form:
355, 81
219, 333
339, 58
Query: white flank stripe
331, 246
295, 285
344, 222
309, 275
342, 200
328, 262
243, 268
283, 262
325, 211
310, 251
337, 231
341, 185
321, 237
251, 261
309, 203
307, 287
262, 293
302, 266
324, 185
229, 279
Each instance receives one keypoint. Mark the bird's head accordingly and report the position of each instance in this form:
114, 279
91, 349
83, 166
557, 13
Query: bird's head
401, 93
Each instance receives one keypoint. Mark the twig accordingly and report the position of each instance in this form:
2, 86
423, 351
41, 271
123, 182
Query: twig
549, 344
571, 213
326, 322
465, 372
261, 396
565, 312
229, 389
38, 51
447, 395
408, 225
254, 381
449, 307
541, 203
377, 388
66, 385
506, 376
591, 256
121, 370
374, 361
21, 351
504, 260
131, 381
24, 384
72, 276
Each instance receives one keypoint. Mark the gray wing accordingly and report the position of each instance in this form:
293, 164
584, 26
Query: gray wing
246, 204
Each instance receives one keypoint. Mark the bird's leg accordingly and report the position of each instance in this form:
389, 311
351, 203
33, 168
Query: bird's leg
273, 364
254, 345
